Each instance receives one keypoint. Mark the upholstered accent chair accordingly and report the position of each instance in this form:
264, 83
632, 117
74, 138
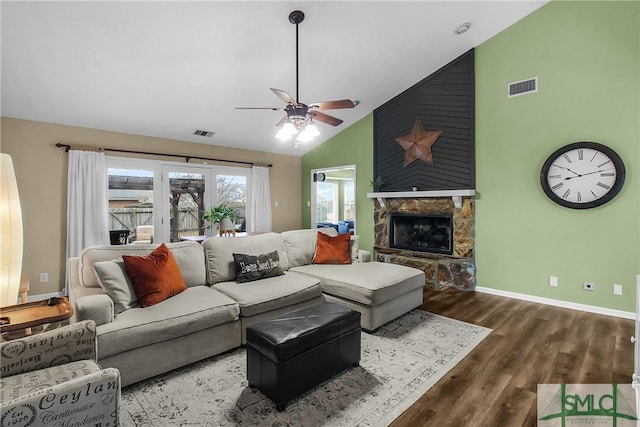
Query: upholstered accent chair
53, 378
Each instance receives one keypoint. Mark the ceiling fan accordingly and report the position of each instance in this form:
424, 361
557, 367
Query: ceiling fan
299, 116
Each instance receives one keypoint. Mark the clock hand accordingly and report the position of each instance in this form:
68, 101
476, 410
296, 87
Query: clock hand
561, 167
584, 174
589, 173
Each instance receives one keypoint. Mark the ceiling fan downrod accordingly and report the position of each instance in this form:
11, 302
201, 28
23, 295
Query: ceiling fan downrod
296, 17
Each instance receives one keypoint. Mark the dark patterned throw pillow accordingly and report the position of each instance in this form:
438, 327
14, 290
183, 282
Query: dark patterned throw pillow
256, 267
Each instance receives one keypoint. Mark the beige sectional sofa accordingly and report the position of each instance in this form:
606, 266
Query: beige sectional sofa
211, 316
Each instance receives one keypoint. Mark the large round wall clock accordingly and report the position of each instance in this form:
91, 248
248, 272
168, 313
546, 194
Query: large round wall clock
582, 175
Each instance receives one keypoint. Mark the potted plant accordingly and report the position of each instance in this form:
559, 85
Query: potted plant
377, 184
222, 214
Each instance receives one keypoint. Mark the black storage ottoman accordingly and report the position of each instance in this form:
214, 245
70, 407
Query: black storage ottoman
292, 354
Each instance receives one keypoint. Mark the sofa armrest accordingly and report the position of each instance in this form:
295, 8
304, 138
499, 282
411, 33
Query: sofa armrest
93, 396
73, 271
49, 348
364, 256
98, 308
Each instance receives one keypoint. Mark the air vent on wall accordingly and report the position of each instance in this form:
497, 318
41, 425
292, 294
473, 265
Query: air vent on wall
522, 87
206, 133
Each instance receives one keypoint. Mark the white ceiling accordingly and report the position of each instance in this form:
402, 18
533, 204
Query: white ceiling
167, 68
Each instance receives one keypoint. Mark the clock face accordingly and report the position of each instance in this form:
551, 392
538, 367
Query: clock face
582, 175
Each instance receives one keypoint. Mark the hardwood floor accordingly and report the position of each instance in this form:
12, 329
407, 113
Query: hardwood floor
495, 385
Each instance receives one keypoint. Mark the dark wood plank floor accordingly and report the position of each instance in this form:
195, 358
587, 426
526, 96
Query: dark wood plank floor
495, 385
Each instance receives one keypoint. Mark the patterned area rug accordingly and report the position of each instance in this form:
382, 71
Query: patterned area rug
400, 362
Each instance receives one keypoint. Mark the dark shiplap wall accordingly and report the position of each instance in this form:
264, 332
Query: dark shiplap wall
442, 101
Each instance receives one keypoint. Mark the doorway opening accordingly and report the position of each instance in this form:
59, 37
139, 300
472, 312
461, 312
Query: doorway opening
333, 201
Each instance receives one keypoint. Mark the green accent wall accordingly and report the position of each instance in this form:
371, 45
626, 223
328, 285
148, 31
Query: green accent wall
586, 56
352, 146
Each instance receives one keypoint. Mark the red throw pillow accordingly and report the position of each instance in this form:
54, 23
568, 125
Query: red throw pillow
332, 250
155, 277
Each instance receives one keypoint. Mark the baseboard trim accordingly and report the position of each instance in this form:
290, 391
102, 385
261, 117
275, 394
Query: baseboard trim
41, 297
559, 303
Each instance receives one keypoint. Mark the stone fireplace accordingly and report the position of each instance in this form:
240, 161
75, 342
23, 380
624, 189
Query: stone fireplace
428, 233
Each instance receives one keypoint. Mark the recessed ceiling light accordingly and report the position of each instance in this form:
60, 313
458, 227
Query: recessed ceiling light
462, 28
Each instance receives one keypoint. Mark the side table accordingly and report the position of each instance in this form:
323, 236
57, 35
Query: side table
25, 316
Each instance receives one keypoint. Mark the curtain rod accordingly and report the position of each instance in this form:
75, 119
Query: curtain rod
68, 147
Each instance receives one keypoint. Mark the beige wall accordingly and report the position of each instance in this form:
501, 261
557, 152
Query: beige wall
41, 172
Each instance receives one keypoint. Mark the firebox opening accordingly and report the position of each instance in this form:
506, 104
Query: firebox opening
421, 232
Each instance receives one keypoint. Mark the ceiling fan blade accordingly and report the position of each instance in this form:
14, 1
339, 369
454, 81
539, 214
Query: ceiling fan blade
284, 96
333, 105
259, 108
282, 120
325, 118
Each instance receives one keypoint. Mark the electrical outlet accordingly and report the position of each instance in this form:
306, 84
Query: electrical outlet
588, 286
553, 281
44, 277
617, 289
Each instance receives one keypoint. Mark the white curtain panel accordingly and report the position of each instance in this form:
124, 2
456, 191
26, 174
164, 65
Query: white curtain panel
260, 217
87, 201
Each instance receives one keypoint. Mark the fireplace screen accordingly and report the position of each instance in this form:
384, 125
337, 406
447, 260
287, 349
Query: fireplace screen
421, 232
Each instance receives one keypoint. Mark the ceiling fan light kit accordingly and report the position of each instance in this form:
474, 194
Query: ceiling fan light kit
299, 121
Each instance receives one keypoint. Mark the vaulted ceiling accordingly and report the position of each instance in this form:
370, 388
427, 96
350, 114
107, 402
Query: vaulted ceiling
165, 69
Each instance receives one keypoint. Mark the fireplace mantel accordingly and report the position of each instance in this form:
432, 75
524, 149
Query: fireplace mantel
456, 195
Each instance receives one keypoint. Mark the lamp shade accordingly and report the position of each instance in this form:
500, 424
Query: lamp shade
10, 233
283, 135
289, 128
312, 130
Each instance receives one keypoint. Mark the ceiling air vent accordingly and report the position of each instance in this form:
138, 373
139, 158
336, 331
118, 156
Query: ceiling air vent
523, 87
201, 132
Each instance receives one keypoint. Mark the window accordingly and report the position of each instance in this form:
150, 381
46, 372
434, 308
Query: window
130, 200
349, 213
232, 191
327, 202
165, 201
186, 199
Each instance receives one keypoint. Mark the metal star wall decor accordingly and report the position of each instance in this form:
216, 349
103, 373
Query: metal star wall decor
417, 144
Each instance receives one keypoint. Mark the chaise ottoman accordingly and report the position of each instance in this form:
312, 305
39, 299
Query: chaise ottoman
380, 291
289, 355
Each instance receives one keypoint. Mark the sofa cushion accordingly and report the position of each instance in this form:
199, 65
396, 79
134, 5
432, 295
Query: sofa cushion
369, 283
115, 282
256, 267
155, 277
219, 253
271, 293
195, 309
188, 255
301, 244
332, 250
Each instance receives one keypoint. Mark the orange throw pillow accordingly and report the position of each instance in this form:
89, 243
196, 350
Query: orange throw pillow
155, 277
332, 250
